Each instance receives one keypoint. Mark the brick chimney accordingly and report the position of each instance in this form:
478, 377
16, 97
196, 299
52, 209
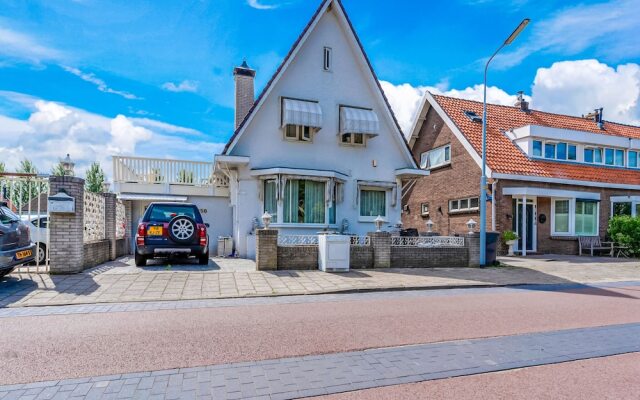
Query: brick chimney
244, 77
522, 103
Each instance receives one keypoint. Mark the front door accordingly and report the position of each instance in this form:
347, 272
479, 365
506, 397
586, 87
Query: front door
525, 229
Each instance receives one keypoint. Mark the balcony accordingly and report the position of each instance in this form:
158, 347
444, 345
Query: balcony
167, 177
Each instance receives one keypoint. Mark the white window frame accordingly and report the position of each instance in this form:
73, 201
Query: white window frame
555, 143
424, 157
424, 209
459, 209
327, 59
352, 138
593, 148
299, 134
634, 200
572, 217
387, 191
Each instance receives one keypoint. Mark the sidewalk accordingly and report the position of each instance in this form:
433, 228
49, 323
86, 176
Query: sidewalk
120, 281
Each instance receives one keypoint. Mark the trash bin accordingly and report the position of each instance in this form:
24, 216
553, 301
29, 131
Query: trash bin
492, 247
225, 246
334, 252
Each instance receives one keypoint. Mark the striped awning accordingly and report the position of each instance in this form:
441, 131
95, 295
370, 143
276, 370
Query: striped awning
300, 112
358, 120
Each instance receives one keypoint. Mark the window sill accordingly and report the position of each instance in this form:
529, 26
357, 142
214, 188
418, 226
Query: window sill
472, 211
564, 237
443, 166
371, 219
309, 226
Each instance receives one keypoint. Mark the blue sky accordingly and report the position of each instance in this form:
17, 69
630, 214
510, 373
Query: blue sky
69, 68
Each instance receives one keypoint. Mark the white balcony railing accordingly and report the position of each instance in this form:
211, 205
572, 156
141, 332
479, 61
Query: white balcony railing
161, 171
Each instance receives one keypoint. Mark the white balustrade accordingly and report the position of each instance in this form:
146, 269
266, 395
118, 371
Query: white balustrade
161, 171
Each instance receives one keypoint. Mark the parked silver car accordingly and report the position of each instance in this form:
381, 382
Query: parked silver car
15, 241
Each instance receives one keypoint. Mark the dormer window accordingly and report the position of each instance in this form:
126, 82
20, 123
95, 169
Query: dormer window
328, 58
554, 150
301, 119
357, 125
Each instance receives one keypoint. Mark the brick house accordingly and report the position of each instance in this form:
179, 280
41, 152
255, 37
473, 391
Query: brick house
566, 175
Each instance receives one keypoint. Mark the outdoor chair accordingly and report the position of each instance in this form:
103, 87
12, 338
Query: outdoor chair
593, 244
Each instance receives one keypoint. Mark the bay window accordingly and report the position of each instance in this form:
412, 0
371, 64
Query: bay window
574, 217
300, 201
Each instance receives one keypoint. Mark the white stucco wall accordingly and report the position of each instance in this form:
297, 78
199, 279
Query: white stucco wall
348, 84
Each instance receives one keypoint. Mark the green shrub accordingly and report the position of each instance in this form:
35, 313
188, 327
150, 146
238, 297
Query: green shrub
625, 230
508, 236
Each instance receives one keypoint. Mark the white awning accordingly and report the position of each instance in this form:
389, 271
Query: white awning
151, 197
358, 120
300, 112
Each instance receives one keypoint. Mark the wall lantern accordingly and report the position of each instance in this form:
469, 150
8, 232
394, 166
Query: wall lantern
430, 225
68, 165
378, 221
266, 220
471, 224
105, 187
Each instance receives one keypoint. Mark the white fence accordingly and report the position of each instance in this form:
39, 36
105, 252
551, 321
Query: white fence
93, 217
303, 240
428, 241
174, 172
26, 195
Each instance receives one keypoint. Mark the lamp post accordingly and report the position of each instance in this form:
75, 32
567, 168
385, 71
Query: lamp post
68, 165
266, 220
430, 226
378, 221
483, 179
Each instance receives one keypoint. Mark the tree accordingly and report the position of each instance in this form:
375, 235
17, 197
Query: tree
2, 168
27, 188
95, 178
58, 170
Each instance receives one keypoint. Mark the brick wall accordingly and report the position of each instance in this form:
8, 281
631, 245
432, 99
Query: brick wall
122, 247
301, 257
361, 257
96, 253
458, 180
429, 257
266, 249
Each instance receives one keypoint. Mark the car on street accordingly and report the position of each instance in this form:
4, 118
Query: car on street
15, 241
39, 226
171, 229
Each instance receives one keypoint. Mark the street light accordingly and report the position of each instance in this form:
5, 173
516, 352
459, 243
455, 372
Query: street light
483, 179
266, 219
67, 166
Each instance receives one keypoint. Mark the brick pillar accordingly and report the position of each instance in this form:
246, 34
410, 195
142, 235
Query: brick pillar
110, 223
381, 244
66, 231
472, 243
266, 249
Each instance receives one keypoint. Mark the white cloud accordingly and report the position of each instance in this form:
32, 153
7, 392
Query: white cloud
405, 99
610, 28
260, 6
53, 130
19, 46
184, 86
100, 84
567, 87
578, 87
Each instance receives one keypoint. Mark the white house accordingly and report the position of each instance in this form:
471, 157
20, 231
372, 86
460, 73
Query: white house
320, 148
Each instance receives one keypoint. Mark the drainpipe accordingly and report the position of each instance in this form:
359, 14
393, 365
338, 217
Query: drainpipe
493, 205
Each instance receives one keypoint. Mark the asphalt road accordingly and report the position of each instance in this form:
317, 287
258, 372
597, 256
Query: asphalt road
67, 346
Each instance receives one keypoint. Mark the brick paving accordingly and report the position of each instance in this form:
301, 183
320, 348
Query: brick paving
120, 281
297, 377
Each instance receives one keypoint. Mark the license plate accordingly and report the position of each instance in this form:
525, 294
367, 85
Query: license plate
23, 254
154, 231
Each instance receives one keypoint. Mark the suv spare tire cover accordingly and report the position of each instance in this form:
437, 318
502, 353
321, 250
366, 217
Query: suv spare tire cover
182, 229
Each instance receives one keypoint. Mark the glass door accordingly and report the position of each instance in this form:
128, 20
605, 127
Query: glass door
529, 225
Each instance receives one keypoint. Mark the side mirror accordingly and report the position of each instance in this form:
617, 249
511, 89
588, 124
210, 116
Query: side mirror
207, 225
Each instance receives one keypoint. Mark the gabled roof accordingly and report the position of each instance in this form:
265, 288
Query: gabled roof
324, 6
506, 159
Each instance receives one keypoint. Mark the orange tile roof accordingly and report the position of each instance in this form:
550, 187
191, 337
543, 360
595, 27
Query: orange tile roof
503, 156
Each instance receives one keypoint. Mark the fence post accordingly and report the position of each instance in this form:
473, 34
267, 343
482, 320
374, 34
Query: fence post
110, 223
66, 231
381, 243
266, 249
472, 243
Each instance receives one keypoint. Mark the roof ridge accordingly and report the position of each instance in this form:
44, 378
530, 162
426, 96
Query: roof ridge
435, 95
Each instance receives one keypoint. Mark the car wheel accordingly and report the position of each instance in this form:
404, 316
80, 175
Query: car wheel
141, 260
182, 229
41, 254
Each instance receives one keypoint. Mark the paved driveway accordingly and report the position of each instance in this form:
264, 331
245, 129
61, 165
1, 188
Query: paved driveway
121, 281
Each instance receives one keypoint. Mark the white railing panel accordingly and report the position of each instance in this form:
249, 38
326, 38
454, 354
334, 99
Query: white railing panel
297, 240
428, 241
161, 171
93, 217
360, 241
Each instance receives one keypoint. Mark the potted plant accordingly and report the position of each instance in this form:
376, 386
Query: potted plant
510, 239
